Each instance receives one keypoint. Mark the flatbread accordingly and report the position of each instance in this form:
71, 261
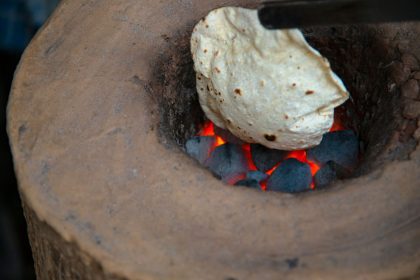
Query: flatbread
265, 86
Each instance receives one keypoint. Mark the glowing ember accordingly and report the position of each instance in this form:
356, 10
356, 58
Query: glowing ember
247, 151
300, 155
269, 172
208, 130
336, 126
339, 115
264, 185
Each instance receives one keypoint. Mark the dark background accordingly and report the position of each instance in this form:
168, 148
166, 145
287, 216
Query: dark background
19, 21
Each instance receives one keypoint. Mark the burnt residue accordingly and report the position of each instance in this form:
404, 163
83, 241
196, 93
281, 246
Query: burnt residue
270, 137
142, 83
165, 37
175, 91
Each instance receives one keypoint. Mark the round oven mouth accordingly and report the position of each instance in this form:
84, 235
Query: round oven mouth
368, 63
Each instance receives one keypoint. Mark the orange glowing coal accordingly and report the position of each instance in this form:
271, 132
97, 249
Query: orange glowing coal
247, 151
208, 130
338, 116
336, 126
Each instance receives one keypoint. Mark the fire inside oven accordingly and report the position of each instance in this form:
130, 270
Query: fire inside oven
255, 166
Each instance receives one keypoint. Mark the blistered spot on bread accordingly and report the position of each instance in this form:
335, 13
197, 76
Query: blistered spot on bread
309, 92
270, 138
238, 91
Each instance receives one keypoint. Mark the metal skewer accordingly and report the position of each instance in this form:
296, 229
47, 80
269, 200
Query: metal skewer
295, 14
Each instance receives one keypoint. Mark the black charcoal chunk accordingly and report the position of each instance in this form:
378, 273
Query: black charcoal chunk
250, 183
341, 147
252, 179
199, 147
228, 162
291, 176
227, 136
265, 158
342, 173
326, 175
256, 175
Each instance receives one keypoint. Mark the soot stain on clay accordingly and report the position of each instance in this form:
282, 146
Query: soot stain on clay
42, 177
174, 91
87, 228
292, 263
26, 140
22, 130
53, 47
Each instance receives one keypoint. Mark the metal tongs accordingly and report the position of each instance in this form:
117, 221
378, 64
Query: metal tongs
297, 14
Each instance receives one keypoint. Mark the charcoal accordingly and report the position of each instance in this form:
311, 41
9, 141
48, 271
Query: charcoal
265, 158
228, 162
252, 179
250, 183
326, 175
199, 147
227, 136
342, 173
256, 175
291, 176
341, 147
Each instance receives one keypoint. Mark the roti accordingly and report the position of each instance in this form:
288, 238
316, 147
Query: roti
265, 86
